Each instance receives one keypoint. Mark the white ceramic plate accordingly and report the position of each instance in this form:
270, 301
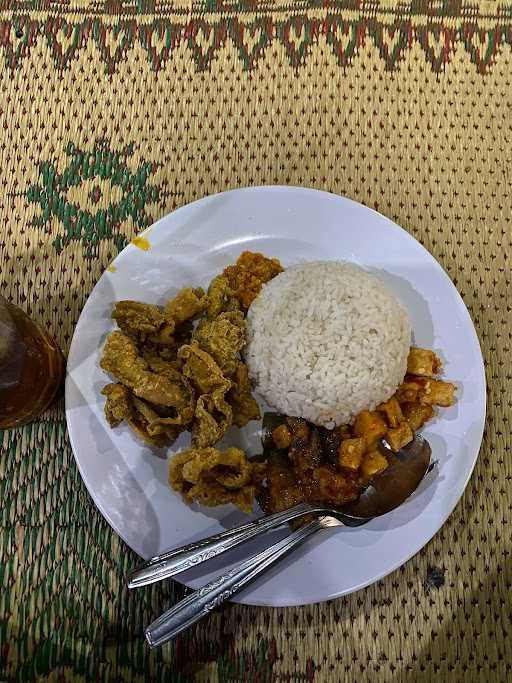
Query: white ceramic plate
128, 481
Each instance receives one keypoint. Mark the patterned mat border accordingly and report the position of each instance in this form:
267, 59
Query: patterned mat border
252, 27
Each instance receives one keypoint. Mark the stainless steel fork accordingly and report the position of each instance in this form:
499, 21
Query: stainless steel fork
200, 603
185, 557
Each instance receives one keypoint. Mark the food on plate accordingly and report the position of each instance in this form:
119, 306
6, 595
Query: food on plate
326, 340
213, 477
324, 343
416, 414
213, 415
244, 405
370, 426
399, 437
122, 360
423, 362
221, 298
122, 405
238, 285
179, 368
350, 453
223, 338
248, 274
392, 410
188, 304
308, 463
140, 320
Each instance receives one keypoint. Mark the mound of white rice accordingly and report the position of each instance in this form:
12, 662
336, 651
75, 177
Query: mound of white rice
325, 341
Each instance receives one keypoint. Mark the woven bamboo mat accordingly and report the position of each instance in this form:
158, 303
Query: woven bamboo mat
112, 114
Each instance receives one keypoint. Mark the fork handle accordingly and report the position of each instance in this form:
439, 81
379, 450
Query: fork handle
197, 605
174, 561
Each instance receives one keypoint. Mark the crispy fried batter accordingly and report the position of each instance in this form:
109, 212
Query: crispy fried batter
222, 338
212, 419
164, 337
213, 415
244, 405
173, 378
221, 298
234, 470
122, 360
141, 321
167, 352
214, 477
248, 275
161, 362
179, 416
154, 425
211, 493
121, 406
201, 369
135, 317
163, 367
186, 305
176, 464
172, 370
117, 406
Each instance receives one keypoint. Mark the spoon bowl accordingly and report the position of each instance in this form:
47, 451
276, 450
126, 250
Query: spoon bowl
389, 489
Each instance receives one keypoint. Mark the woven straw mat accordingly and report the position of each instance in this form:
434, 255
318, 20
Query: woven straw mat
114, 113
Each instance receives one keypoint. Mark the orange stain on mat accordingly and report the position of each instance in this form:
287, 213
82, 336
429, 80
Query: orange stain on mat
142, 243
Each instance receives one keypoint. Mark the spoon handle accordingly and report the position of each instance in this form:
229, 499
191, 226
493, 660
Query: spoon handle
200, 603
179, 559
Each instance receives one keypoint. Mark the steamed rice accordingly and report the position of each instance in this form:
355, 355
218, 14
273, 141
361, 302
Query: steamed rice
325, 341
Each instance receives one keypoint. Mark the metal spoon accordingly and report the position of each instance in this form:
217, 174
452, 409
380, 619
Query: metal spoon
386, 492
185, 557
398, 480
393, 486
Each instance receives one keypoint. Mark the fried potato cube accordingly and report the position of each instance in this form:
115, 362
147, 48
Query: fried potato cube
282, 436
438, 393
423, 362
392, 411
417, 414
371, 426
408, 391
399, 437
350, 453
373, 463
